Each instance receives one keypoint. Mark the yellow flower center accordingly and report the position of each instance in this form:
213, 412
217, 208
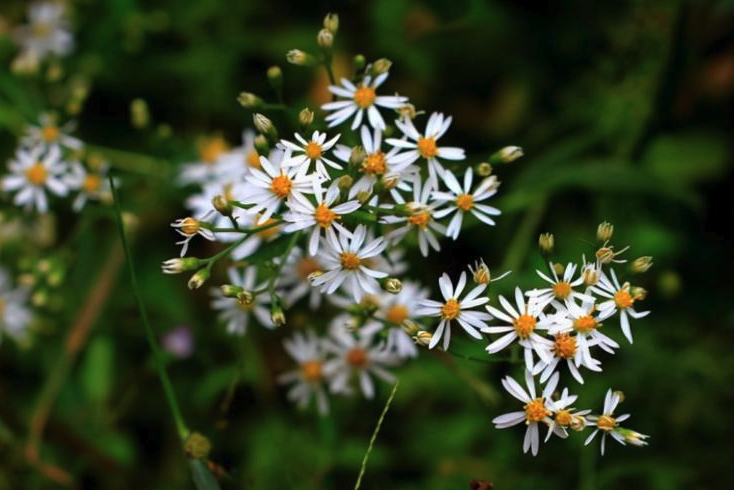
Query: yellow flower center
623, 299
397, 314
190, 226
565, 346
91, 183
357, 357
535, 411
246, 307
313, 150
350, 261
585, 324
427, 147
564, 418
420, 220
451, 309
364, 97
375, 164
324, 216
210, 149
253, 159
281, 186
606, 422
41, 29
524, 325
50, 134
307, 267
562, 289
311, 370
36, 174
465, 202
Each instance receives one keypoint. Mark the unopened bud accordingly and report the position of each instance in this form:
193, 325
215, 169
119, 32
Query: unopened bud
222, 206
305, 117
604, 232
390, 182
230, 290
331, 22
359, 62
507, 154
591, 275
139, 114
275, 76
392, 285
641, 264
407, 111
484, 169
249, 100
276, 312
363, 196
558, 269
345, 183
578, 423
620, 395
300, 58
265, 126
409, 327
423, 338
356, 158
381, 66
197, 446
325, 39
632, 437
546, 241
198, 279
245, 298
638, 293
179, 265
261, 145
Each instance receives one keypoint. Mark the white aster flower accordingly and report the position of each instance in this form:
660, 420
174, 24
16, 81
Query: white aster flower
215, 161
32, 173
424, 145
536, 409
581, 319
14, 315
47, 32
607, 423
620, 299
235, 313
357, 356
360, 99
92, 185
456, 309
190, 227
564, 416
295, 282
311, 151
576, 354
394, 310
308, 380
324, 215
521, 325
49, 134
561, 289
462, 201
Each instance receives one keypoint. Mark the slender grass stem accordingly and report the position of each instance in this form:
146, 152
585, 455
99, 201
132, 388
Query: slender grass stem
374, 436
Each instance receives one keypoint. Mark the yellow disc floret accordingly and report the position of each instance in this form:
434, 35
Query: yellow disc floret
565, 346
364, 97
535, 411
427, 147
465, 202
253, 159
50, 134
36, 174
524, 325
585, 324
564, 418
350, 261
606, 422
397, 314
375, 164
313, 150
312, 370
623, 299
562, 289
357, 357
451, 309
281, 186
324, 216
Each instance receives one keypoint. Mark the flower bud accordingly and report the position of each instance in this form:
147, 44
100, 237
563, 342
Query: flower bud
359, 62
345, 183
222, 206
578, 423
392, 285
325, 39
230, 290
261, 145
480, 271
409, 327
305, 117
363, 196
179, 265
331, 22
245, 298
590, 275
546, 241
197, 446
604, 232
139, 114
249, 100
407, 111
641, 264
507, 154
390, 182
484, 169
275, 77
638, 293
632, 437
198, 279
276, 311
423, 338
300, 58
265, 126
381, 66
356, 158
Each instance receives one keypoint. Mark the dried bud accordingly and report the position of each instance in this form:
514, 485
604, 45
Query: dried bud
249, 100
407, 111
197, 446
325, 39
591, 275
356, 158
381, 66
265, 126
305, 117
139, 114
300, 58
392, 285
484, 169
632, 437
423, 338
222, 206
331, 22
276, 312
198, 279
604, 232
245, 298
409, 327
641, 264
507, 154
345, 183
179, 265
230, 290
546, 241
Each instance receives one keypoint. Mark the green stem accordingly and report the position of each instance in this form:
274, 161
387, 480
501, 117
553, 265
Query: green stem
524, 237
284, 257
183, 431
374, 436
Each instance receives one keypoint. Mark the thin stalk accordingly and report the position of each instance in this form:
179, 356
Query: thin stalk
374, 436
183, 431
276, 274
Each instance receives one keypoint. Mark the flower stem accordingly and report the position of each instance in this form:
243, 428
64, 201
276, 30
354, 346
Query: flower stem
374, 436
276, 275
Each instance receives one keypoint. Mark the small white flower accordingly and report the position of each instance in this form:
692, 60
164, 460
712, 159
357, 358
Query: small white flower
561, 289
308, 380
32, 173
14, 315
311, 151
215, 161
190, 227
455, 309
91, 184
606, 423
394, 310
357, 356
565, 417
47, 32
581, 319
536, 409
464, 201
49, 134
576, 354
425, 145
344, 263
522, 325
295, 281
236, 314
620, 299
361, 99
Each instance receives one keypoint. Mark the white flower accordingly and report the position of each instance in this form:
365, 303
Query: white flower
49, 134
455, 309
521, 324
359, 99
308, 380
576, 354
311, 151
565, 417
47, 32
14, 315
561, 289
235, 313
581, 320
294, 280
215, 160
620, 299
357, 356
536, 409
344, 262
394, 310
92, 184
464, 201
200, 204
190, 227
32, 173
606, 423
324, 215
425, 145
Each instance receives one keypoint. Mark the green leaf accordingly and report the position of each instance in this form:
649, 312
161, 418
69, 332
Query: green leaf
97, 369
688, 157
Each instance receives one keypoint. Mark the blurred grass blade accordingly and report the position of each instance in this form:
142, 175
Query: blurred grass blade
374, 436
203, 478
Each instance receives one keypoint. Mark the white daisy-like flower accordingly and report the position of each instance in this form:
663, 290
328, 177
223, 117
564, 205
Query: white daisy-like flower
308, 380
32, 173
344, 259
463, 200
561, 289
357, 356
394, 310
456, 309
537, 409
235, 313
235, 164
360, 99
424, 145
266, 189
607, 422
14, 315
200, 204
48, 133
189, 227
564, 416
422, 219
91, 184
391, 168
576, 354
324, 215
215, 161
522, 324
294, 281
582, 320
47, 32
311, 151
620, 299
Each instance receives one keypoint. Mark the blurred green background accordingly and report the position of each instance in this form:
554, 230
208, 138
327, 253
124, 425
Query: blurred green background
624, 111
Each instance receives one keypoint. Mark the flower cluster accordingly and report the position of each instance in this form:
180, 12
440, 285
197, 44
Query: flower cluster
46, 35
